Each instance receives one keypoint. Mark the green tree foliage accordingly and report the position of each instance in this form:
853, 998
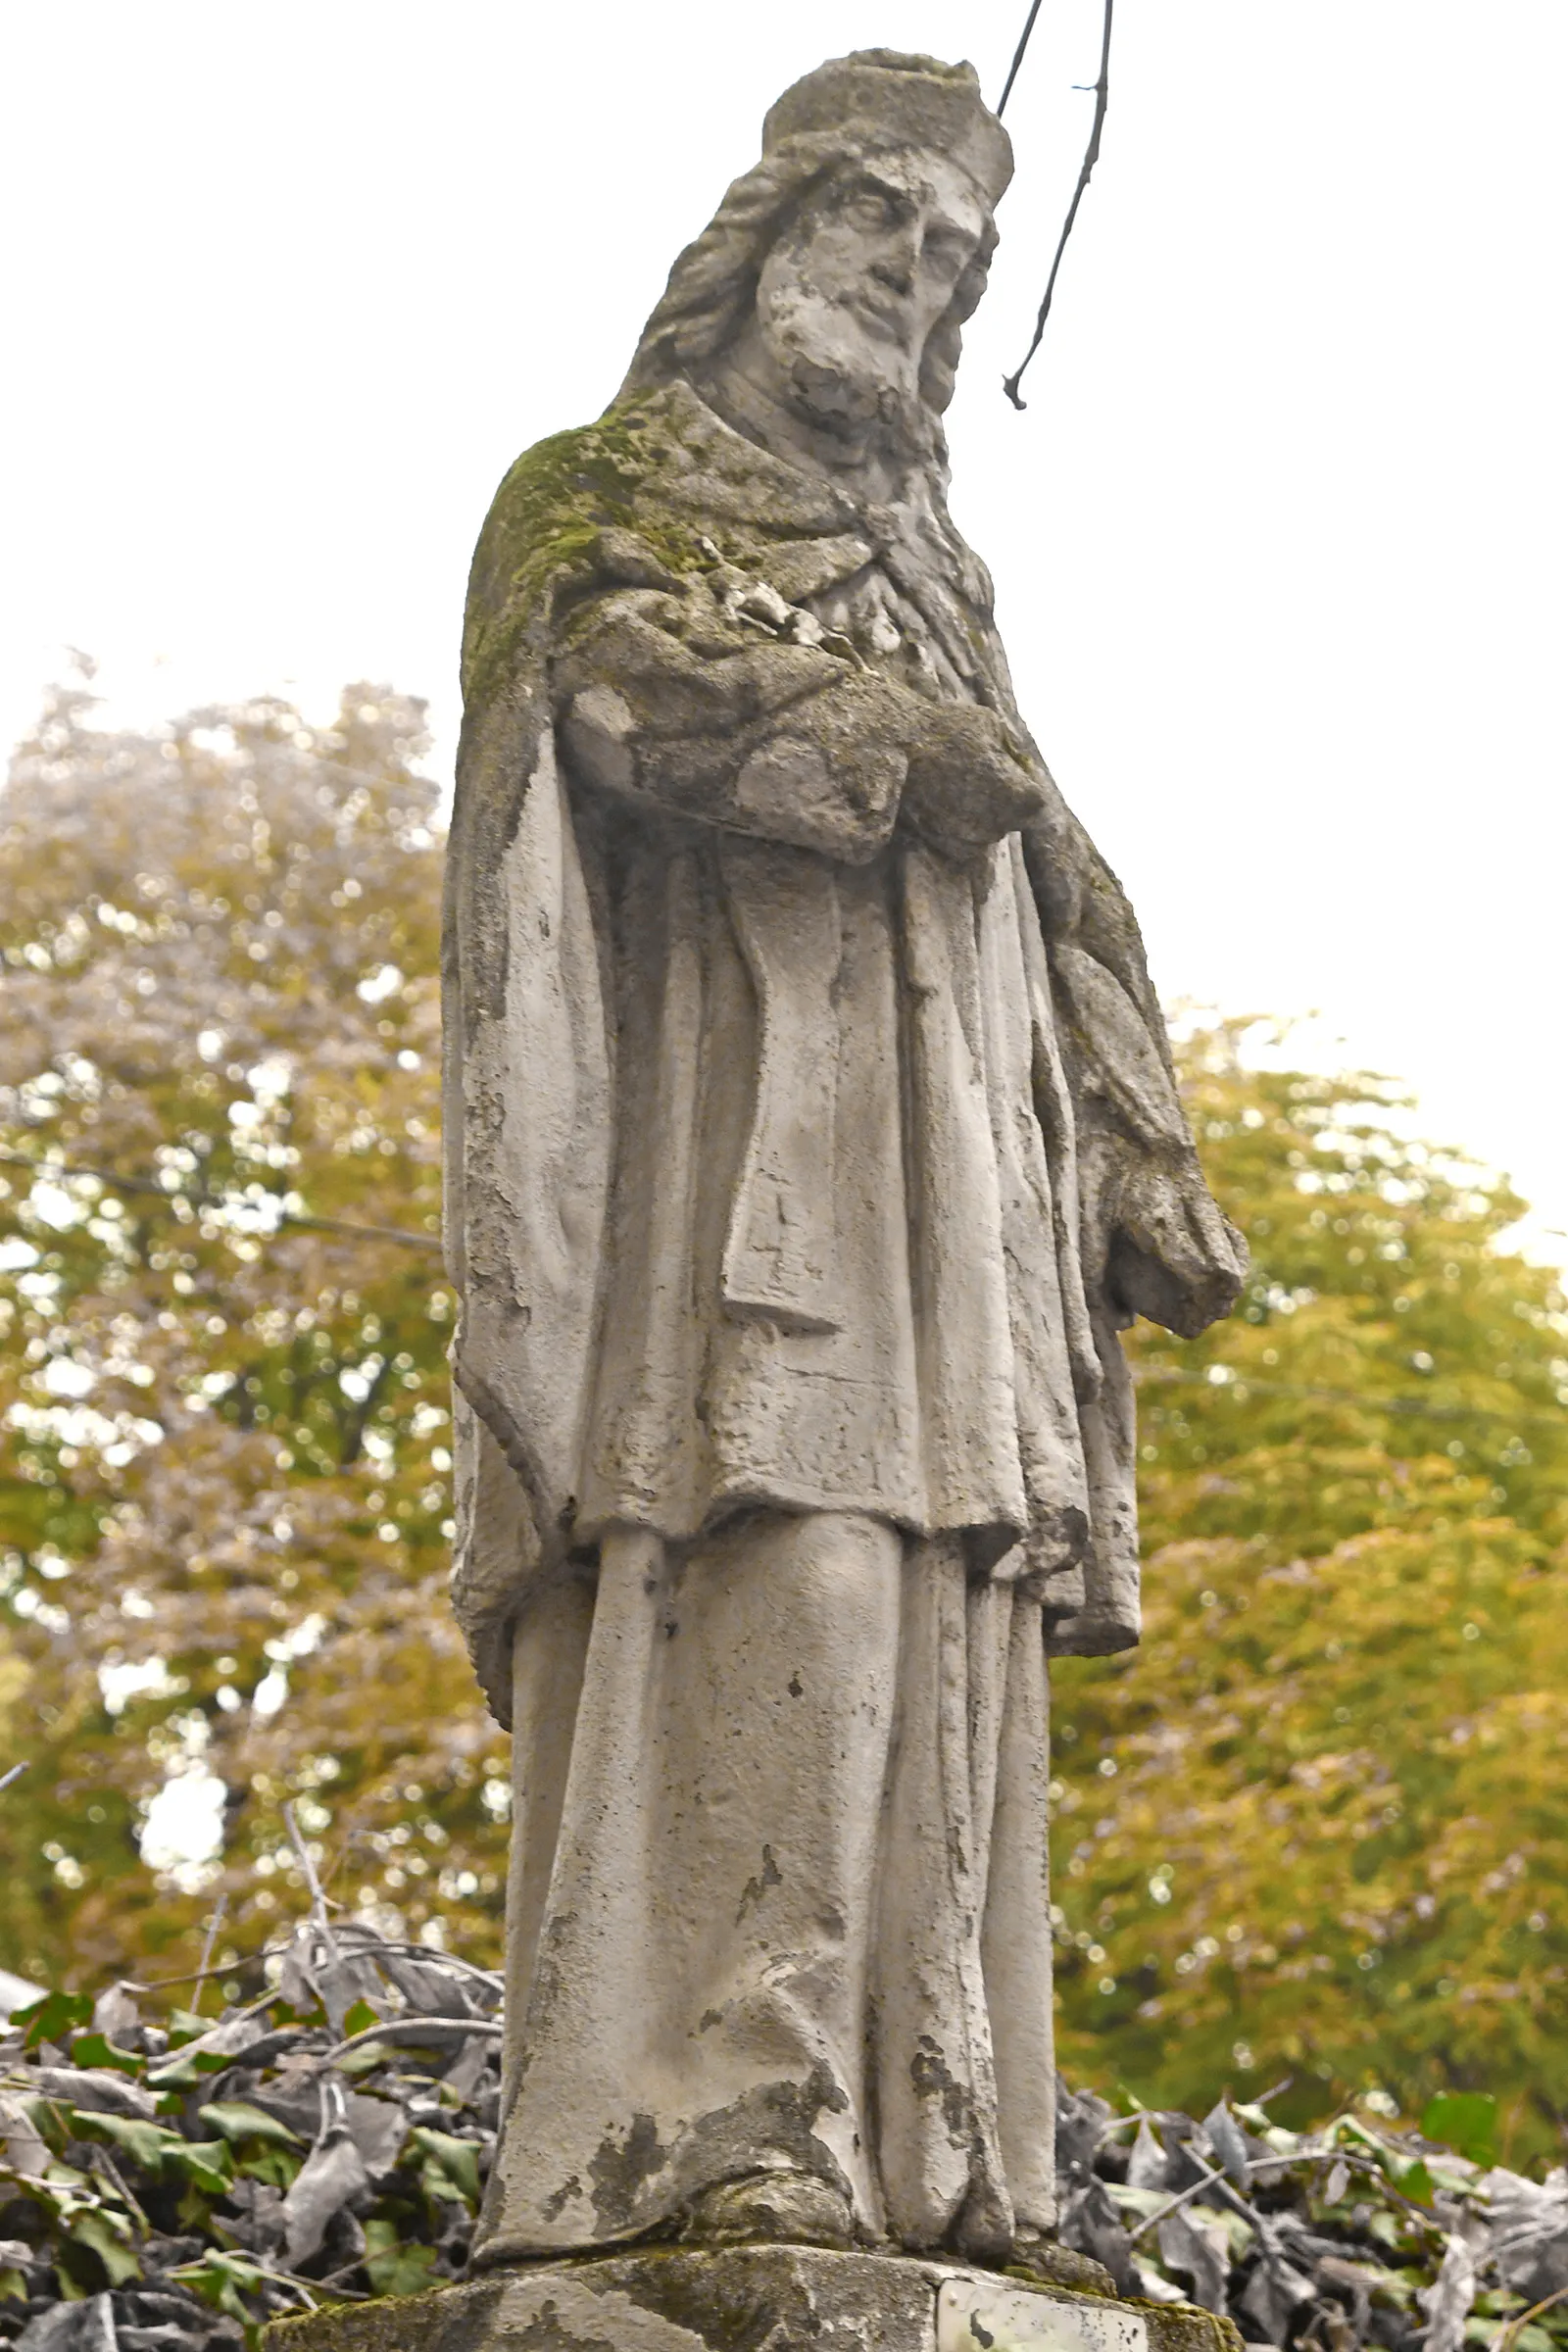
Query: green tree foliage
1311, 1828
1314, 1826
223, 1489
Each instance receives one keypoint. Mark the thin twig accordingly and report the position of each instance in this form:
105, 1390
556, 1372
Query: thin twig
207, 1942
350, 2295
1017, 59
349, 1934
302, 1855
426, 1951
1278, 2091
200, 2044
15, 1773
1163, 2212
1508, 2332
403, 2029
103, 2162
225, 1968
1091, 158
264, 2269
333, 2109
1138, 2116
1353, 2159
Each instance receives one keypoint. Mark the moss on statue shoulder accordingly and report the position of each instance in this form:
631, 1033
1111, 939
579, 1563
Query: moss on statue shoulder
546, 541
543, 541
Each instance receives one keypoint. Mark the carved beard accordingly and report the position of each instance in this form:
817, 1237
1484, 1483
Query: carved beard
840, 376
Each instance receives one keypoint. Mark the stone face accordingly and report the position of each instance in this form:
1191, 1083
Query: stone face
812, 1135
789, 2298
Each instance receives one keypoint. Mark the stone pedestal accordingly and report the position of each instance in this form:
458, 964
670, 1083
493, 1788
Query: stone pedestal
754, 2299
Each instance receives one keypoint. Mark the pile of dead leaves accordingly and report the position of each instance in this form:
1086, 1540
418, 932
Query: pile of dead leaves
1348, 2236
182, 2183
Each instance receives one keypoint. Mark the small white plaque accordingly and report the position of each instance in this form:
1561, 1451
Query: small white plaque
977, 2315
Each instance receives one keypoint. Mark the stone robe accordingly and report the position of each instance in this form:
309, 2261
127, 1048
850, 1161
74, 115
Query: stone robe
795, 1168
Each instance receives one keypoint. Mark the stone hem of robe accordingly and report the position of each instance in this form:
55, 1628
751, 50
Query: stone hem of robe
779, 1894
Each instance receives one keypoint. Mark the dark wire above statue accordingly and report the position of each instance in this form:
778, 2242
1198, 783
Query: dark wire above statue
812, 1135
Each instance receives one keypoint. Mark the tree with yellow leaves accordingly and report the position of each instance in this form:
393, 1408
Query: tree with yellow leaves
1313, 1827
224, 1488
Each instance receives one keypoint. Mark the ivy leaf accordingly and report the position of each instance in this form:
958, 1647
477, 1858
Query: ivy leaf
275, 2168
185, 2072
54, 2017
223, 2280
96, 2049
1411, 2179
206, 2163
51, 2118
237, 2119
148, 2146
392, 2267
367, 2057
455, 2162
1465, 2121
332, 2176
105, 2234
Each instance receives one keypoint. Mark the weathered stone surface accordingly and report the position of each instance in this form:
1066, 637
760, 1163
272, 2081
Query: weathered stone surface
977, 2312
811, 1136
738, 2299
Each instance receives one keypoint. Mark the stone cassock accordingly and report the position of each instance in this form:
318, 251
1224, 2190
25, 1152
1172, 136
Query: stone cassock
812, 1134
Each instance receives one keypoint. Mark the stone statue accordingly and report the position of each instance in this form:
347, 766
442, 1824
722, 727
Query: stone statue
812, 1136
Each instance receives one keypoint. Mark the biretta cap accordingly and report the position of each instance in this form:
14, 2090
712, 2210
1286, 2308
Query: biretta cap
904, 101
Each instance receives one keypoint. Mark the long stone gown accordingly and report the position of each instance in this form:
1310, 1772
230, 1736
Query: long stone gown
794, 1424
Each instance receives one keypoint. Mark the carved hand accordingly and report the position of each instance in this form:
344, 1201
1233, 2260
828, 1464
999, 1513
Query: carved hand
674, 700
969, 784
1173, 1257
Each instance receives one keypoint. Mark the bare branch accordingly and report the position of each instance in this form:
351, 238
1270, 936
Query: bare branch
302, 1855
1017, 59
410, 2029
1085, 169
207, 1942
1173, 2204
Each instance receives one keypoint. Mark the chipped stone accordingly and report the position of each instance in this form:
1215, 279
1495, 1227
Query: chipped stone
675, 2299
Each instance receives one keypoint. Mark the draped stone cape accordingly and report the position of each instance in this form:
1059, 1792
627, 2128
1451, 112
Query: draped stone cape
662, 498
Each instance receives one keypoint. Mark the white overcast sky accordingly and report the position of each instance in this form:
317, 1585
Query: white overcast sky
1280, 543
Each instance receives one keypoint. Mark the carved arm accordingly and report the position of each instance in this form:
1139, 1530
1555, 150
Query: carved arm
674, 699
1155, 1237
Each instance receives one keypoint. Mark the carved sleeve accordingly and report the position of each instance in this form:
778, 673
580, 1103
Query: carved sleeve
1155, 1240
768, 725
668, 698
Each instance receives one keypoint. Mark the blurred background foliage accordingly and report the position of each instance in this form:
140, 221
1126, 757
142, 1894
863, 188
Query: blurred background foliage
1312, 1827
223, 1489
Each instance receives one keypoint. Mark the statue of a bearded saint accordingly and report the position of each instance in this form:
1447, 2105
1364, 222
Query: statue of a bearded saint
812, 1136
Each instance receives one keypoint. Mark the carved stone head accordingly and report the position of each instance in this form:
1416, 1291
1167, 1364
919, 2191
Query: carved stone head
850, 257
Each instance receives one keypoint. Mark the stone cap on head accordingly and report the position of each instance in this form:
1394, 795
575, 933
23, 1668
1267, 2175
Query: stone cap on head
916, 100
